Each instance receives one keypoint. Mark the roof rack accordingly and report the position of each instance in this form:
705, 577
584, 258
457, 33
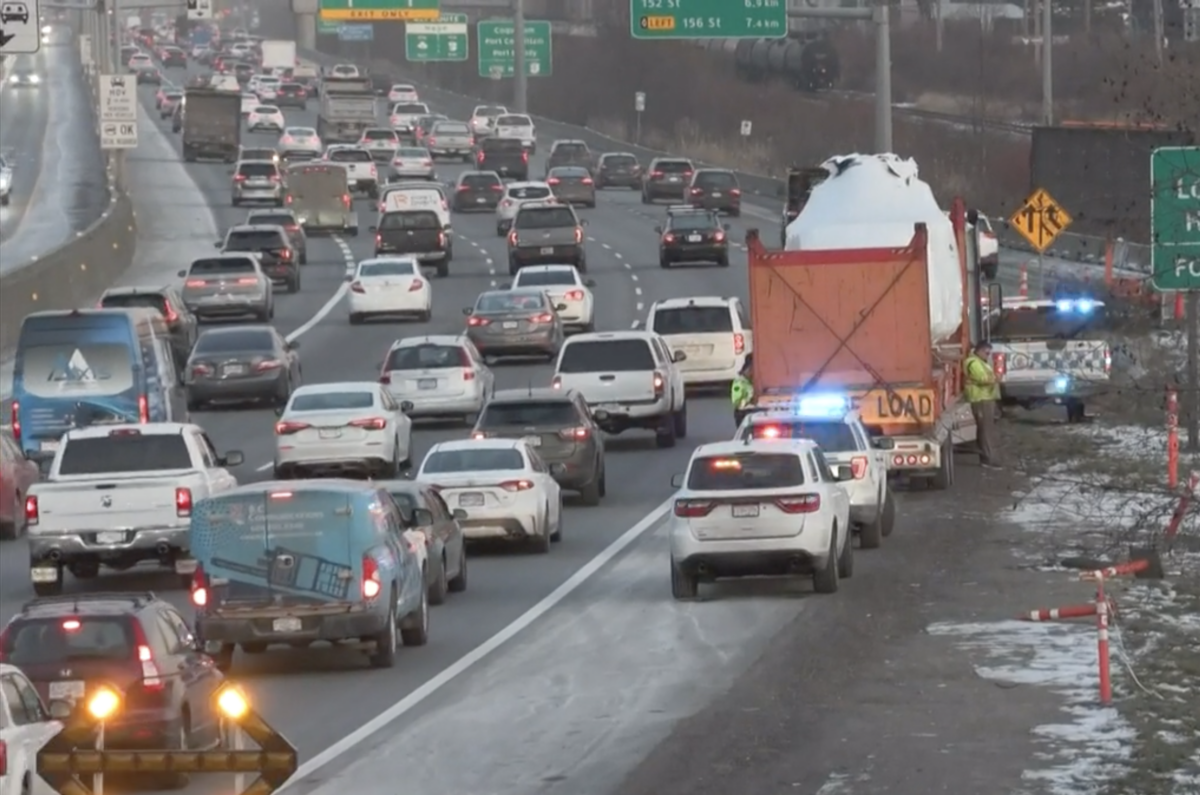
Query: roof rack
139, 598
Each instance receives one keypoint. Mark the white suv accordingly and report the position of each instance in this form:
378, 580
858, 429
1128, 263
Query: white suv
839, 432
760, 508
630, 379
712, 331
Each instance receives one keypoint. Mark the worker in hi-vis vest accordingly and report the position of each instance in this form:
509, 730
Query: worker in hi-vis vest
741, 391
982, 391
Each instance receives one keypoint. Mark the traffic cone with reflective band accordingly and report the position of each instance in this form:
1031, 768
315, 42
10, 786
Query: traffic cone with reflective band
1024, 283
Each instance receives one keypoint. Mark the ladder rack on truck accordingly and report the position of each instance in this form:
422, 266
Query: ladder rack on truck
856, 323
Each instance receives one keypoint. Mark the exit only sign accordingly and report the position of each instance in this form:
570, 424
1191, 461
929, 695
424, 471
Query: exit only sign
380, 10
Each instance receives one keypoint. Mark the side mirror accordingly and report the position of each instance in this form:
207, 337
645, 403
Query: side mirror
459, 513
372, 229
506, 286
589, 283
279, 411
182, 274
560, 307
558, 470
600, 416
234, 458
422, 517
60, 710
883, 443
658, 228
677, 480
467, 310
218, 244
679, 356
406, 406
843, 472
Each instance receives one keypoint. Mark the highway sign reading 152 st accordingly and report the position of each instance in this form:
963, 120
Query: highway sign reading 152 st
708, 19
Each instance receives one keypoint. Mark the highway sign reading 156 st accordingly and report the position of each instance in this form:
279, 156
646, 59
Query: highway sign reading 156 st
708, 19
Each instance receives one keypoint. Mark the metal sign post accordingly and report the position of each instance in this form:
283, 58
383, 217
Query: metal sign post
639, 107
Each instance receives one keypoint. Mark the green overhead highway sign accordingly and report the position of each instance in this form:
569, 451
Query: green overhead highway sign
445, 40
708, 19
1175, 218
379, 10
497, 53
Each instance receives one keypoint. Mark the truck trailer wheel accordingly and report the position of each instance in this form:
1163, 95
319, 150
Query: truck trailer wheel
944, 478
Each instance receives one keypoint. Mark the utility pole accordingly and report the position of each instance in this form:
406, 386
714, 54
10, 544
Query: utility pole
1159, 31
939, 23
520, 79
1047, 63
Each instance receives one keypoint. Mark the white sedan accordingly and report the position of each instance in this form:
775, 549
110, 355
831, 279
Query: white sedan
267, 88
507, 491
265, 117
300, 140
441, 375
564, 285
351, 428
402, 92
389, 286
514, 194
413, 162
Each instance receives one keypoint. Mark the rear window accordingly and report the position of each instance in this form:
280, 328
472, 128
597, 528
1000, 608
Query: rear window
753, 471
234, 340
274, 219
545, 217
413, 152
491, 145
620, 160
693, 320
830, 436
266, 109
673, 166
571, 172
121, 300
300, 132
511, 302
257, 169
396, 267
530, 412
606, 356
349, 156
717, 179
259, 154
408, 108
451, 128
125, 451
533, 192
694, 221
208, 267
513, 121
292, 88
490, 110
425, 357
333, 401
421, 220
527, 278
481, 180
253, 241
477, 460
570, 150
60, 640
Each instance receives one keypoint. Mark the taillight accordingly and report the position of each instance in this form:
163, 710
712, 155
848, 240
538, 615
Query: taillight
15, 419
286, 427
575, 295
524, 157
1107, 362
697, 191
512, 238
578, 235
199, 587
432, 141
668, 238
170, 315
802, 503
479, 157
858, 466
739, 344
575, 434
268, 364
247, 280
370, 424
999, 363
656, 173
660, 385
32, 514
183, 501
545, 317
552, 181
378, 240
693, 509
735, 192
719, 237
477, 321
588, 181
357, 287
415, 286
240, 178
372, 586
516, 485
441, 239
202, 370
464, 188
3, 758
385, 378
346, 200
152, 678
143, 409
556, 382
464, 359
195, 283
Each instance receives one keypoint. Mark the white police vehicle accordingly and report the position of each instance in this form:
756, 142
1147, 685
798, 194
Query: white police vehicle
829, 421
760, 507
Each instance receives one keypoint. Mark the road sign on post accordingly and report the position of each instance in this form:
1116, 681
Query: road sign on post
356, 31
380, 10
1040, 220
1175, 218
707, 19
20, 28
118, 112
447, 39
497, 53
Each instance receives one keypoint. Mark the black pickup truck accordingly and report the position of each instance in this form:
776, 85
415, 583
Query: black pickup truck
417, 233
508, 157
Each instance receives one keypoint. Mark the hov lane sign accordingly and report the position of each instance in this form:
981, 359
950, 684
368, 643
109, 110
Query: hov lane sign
118, 135
118, 98
20, 32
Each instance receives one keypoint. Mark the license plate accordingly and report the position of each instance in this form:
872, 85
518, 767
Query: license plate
510, 324
471, 499
693, 238
547, 249
427, 383
234, 369
49, 447
716, 194
66, 691
480, 200
286, 625
745, 511
111, 537
46, 574
533, 441
672, 179
330, 433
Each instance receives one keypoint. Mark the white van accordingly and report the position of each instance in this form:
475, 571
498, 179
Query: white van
416, 198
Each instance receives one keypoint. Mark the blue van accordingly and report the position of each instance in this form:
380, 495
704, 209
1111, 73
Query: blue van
303, 562
89, 366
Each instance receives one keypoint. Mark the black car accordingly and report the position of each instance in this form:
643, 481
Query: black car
716, 189
546, 234
508, 157
149, 75
425, 124
291, 95
242, 71
136, 642
173, 57
667, 178
279, 257
692, 235
477, 190
618, 170
424, 510
290, 223
570, 153
418, 233
182, 323
241, 363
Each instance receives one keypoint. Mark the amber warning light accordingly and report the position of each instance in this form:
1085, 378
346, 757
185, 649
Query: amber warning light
657, 23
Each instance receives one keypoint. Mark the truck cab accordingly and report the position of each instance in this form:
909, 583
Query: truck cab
800, 184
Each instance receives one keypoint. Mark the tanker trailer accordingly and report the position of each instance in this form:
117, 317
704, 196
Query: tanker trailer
741, 57
775, 56
811, 66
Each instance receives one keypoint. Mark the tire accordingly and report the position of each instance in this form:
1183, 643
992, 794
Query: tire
664, 263
11, 531
541, 544
293, 286
557, 535
386, 642
645, 198
443, 269
581, 265
889, 512
845, 563
603, 481
723, 262
458, 583
870, 536
684, 587
414, 629
438, 588
680, 420
356, 319
666, 439
223, 658
235, 202
591, 492
944, 478
826, 579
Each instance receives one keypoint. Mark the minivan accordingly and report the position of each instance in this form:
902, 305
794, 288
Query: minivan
319, 195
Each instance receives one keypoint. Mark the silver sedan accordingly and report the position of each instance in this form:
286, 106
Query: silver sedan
413, 162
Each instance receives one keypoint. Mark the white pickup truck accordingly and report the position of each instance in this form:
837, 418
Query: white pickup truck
404, 116
361, 172
118, 495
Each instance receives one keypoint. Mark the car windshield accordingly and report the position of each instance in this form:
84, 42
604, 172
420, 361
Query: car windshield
401, 88
606, 356
672, 166
528, 278
526, 413
477, 460
274, 219
257, 170
529, 192
481, 180
349, 156
1065, 320
60, 640
716, 179
332, 401
124, 451
833, 436
510, 302
693, 222
212, 267
151, 300
431, 356
397, 267
545, 218
410, 108
750, 471
253, 240
490, 110
418, 220
693, 320
223, 341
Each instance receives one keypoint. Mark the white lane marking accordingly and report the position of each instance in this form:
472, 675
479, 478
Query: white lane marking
483, 650
605, 246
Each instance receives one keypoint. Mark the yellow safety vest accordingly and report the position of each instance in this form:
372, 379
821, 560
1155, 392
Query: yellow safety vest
741, 392
980, 380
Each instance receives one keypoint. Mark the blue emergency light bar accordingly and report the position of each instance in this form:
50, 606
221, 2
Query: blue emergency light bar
1083, 306
823, 406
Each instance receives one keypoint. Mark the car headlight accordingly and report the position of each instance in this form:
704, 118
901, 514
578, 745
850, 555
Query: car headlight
34, 79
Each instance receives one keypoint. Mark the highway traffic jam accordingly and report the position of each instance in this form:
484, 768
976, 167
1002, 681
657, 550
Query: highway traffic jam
412, 353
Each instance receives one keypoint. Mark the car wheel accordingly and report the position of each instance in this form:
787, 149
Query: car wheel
356, 318
557, 535
591, 492
870, 536
541, 543
439, 586
845, 563
458, 583
425, 316
825, 580
664, 263
723, 262
223, 658
680, 420
281, 397
684, 586
603, 481
889, 513
443, 269
414, 629
386, 642
499, 229
665, 435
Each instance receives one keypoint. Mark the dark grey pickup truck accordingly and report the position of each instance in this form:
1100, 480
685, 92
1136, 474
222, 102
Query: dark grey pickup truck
417, 233
508, 157
546, 234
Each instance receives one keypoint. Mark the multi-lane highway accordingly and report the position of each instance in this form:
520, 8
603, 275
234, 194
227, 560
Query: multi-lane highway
583, 647
47, 133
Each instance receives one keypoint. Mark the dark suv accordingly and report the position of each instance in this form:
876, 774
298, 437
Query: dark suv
167, 300
570, 153
478, 190
135, 642
715, 189
280, 261
291, 95
506, 156
546, 234
667, 178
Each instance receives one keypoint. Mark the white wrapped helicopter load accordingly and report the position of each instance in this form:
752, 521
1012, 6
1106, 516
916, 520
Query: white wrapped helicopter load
872, 201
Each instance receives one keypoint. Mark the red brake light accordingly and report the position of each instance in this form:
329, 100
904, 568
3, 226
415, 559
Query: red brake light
432, 141
170, 315
468, 373
356, 287
479, 157
247, 280
697, 191
497, 187
143, 409
545, 317
441, 239
693, 509
199, 587
512, 238
3, 758
516, 485
668, 238
183, 501
739, 344
268, 364
656, 173
524, 157
660, 385
152, 678
477, 321
240, 178
578, 235
415, 286
575, 295
371, 424
32, 514
195, 283
201, 370
284, 428
15, 419
999, 363
801, 503
575, 434
552, 181
768, 432
372, 586
463, 188
587, 181
285, 253
719, 237
858, 465
378, 240
346, 200
735, 192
